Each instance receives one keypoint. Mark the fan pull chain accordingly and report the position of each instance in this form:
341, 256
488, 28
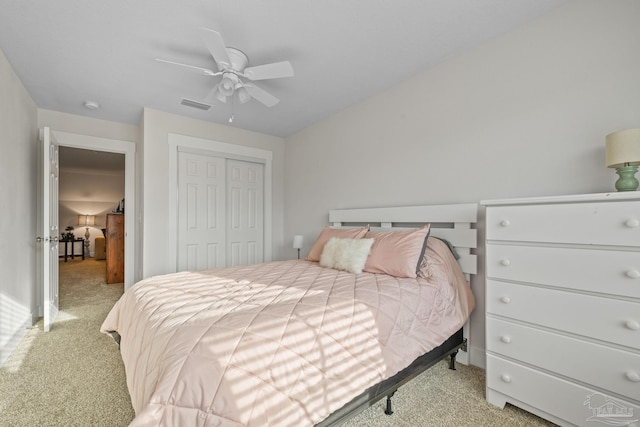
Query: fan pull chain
232, 96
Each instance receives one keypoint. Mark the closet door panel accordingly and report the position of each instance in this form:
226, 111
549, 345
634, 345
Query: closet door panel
245, 209
201, 211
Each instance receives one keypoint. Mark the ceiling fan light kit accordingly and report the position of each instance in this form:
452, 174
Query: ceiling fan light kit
232, 65
243, 95
228, 84
219, 95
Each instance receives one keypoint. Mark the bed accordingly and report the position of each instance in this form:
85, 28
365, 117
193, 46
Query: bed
299, 342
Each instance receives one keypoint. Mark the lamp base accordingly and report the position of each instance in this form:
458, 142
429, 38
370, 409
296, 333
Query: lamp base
627, 180
86, 240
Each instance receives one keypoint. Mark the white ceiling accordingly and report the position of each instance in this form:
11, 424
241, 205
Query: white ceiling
67, 52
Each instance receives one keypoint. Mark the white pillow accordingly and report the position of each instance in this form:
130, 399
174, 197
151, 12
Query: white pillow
346, 254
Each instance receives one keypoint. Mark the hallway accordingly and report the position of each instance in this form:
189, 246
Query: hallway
80, 280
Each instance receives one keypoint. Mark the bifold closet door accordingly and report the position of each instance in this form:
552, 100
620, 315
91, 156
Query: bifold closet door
201, 212
245, 212
220, 212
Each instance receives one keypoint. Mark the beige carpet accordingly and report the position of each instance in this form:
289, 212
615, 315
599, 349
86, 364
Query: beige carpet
73, 375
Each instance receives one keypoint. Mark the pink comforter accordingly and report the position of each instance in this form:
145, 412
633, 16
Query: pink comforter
276, 344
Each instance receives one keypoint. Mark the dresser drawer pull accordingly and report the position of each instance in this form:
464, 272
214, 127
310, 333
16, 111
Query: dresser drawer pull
632, 223
633, 325
506, 223
505, 339
633, 274
505, 378
633, 376
505, 300
506, 263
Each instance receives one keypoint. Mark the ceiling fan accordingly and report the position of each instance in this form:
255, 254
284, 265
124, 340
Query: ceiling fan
232, 65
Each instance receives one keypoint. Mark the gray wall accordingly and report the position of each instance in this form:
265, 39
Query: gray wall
18, 146
525, 114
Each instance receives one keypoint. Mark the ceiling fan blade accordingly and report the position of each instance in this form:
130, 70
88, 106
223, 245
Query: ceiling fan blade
261, 95
269, 71
215, 44
198, 70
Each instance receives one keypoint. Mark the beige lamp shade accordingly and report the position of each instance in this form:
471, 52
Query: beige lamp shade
85, 220
623, 148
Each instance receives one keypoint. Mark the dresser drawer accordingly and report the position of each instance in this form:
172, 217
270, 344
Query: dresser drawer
576, 404
604, 319
612, 369
578, 223
593, 270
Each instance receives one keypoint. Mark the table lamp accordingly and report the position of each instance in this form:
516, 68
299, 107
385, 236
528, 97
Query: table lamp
85, 221
623, 153
298, 243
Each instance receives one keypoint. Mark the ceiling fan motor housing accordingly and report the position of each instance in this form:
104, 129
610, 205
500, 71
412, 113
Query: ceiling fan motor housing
239, 60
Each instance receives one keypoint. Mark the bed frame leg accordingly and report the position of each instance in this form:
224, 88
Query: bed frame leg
452, 362
389, 411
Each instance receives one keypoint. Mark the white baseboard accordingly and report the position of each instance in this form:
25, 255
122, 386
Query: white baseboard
14, 340
462, 357
478, 357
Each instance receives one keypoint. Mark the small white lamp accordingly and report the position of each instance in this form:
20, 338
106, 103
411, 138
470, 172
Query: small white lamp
298, 243
623, 153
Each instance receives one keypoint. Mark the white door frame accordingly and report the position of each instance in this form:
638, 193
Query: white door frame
127, 148
219, 149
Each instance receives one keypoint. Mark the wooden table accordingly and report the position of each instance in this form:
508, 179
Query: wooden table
73, 245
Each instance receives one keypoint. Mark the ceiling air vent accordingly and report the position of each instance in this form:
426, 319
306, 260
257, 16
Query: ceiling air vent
195, 104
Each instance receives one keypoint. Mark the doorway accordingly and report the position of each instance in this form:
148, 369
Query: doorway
128, 149
48, 204
91, 187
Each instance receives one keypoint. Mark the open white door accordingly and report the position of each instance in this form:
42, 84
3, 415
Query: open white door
49, 227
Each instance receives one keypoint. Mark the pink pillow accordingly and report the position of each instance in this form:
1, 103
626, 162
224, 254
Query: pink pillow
328, 232
397, 253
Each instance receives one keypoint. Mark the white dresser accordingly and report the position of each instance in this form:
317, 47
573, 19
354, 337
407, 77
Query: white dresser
563, 307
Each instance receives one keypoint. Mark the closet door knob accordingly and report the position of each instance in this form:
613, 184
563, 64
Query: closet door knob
505, 300
505, 378
505, 262
506, 223
633, 274
632, 223
505, 339
633, 325
633, 376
